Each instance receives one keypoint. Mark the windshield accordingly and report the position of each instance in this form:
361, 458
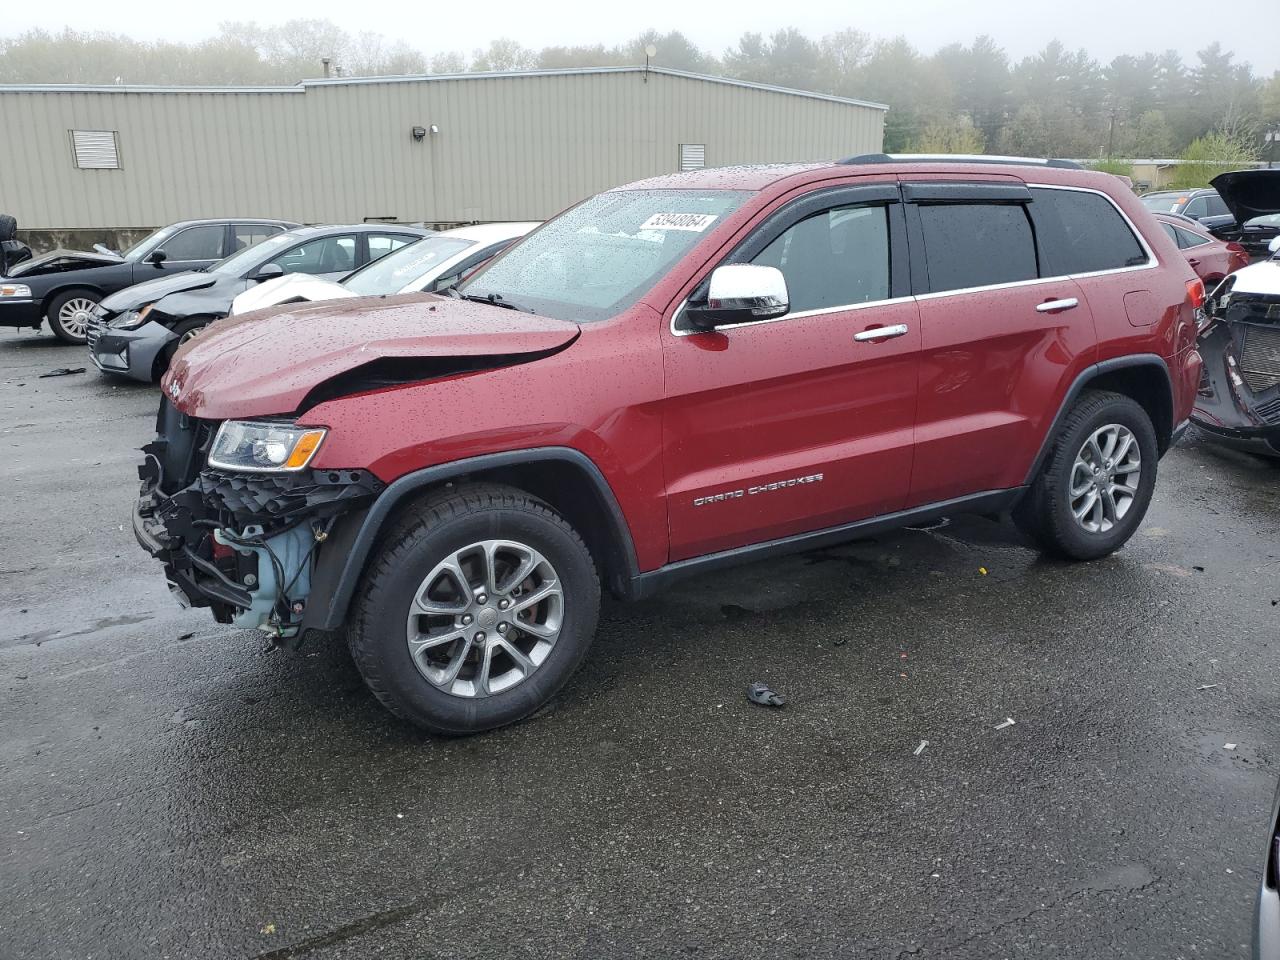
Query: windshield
148, 243
601, 256
392, 273
250, 257
1163, 202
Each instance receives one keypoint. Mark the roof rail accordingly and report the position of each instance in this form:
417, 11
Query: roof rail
957, 158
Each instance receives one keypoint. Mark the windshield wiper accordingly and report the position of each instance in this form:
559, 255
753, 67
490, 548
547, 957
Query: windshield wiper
493, 299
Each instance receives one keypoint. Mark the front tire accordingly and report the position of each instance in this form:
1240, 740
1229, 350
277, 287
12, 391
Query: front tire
476, 612
69, 313
186, 330
1097, 481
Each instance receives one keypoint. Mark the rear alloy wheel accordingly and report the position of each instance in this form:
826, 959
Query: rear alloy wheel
1097, 480
477, 610
69, 314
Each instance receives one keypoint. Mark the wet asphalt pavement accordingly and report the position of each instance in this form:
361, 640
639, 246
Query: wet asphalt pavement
170, 789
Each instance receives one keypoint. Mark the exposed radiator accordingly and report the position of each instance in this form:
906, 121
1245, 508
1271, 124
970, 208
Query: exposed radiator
1260, 357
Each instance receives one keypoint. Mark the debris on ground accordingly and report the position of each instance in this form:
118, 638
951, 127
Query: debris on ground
1198, 569
267, 929
920, 749
1008, 722
62, 372
983, 571
760, 692
185, 636
840, 641
1229, 746
1208, 686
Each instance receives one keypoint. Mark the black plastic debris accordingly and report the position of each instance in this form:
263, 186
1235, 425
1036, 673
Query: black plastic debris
760, 692
62, 372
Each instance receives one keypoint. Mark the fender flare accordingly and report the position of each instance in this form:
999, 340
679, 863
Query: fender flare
1081, 383
338, 571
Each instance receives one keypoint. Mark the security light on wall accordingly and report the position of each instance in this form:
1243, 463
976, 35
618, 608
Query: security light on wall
420, 132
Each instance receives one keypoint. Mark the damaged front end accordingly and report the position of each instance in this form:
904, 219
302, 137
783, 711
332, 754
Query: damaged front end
1238, 402
243, 542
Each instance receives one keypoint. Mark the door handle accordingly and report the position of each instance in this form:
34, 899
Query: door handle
1193, 261
1057, 306
881, 333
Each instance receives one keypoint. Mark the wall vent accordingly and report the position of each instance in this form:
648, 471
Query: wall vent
95, 149
693, 156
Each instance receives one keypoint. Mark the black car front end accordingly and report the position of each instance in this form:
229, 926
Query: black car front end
242, 544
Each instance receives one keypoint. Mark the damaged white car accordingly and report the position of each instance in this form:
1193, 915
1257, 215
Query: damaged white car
1239, 398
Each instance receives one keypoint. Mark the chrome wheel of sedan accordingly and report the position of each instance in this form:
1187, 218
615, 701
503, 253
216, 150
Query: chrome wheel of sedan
74, 315
1105, 478
485, 618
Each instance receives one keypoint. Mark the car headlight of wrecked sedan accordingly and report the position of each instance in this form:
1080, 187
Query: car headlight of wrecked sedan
262, 446
16, 291
132, 319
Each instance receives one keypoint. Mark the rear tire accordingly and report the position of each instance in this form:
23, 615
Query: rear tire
1096, 484
68, 314
458, 654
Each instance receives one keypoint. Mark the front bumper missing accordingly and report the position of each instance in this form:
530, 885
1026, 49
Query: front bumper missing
244, 545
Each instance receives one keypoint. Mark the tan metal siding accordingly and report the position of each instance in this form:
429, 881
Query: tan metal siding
509, 147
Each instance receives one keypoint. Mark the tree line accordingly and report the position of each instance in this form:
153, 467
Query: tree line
961, 98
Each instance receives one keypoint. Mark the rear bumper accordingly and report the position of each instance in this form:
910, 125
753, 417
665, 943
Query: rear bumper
20, 313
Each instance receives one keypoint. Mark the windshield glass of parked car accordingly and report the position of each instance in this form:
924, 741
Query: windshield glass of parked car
390, 274
247, 259
600, 257
148, 243
1163, 202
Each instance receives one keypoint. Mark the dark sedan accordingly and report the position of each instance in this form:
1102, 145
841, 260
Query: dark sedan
66, 285
136, 332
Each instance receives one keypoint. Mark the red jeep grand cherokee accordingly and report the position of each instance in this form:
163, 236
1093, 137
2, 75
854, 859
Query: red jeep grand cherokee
671, 377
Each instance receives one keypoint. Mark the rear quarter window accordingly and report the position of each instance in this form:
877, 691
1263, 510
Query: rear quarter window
1081, 232
977, 244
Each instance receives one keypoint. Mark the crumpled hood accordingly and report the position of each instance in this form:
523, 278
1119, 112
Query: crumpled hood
291, 288
37, 265
1249, 193
149, 291
264, 363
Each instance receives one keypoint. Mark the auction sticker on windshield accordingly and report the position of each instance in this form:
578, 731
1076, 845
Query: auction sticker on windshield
697, 222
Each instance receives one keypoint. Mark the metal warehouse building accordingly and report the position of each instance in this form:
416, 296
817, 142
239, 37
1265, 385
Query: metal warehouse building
441, 149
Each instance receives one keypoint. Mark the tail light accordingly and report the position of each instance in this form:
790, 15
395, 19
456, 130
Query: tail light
1195, 293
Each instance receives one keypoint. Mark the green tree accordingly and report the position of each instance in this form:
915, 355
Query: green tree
1208, 156
957, 136
503, 54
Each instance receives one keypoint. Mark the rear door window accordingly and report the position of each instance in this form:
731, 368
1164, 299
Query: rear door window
1174, 233
1188, 239
835, 258
977, 244
1081, 232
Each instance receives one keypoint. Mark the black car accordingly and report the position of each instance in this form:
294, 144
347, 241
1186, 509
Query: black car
1252, 197
1204, 206
135, 332
66, 285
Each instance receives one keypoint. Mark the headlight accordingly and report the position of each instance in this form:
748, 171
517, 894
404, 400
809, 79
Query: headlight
132, 319
15, 290
259, 446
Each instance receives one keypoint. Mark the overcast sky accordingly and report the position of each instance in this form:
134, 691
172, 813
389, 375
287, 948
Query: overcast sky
1105, 28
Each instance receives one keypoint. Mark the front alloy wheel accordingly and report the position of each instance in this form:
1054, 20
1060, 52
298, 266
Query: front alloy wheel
485, 618
476, 610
